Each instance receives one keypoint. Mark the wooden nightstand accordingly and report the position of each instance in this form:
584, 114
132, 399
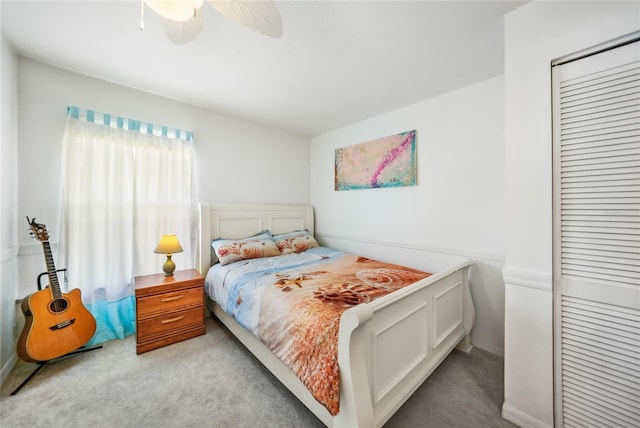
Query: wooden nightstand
168, 308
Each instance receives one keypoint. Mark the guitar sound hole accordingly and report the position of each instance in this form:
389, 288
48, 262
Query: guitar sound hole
59, 305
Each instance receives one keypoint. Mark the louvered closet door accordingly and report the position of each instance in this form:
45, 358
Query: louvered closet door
597, 239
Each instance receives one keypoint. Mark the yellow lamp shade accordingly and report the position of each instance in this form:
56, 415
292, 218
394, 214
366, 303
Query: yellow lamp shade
168, 244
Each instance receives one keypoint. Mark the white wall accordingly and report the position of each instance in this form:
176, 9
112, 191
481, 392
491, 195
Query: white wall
238, 161
536, 34
455, 211
8, 207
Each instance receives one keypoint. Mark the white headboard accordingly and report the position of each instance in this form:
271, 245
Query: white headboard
234, 221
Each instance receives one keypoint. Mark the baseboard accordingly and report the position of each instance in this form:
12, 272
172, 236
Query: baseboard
520, 418
6, 369
488, 348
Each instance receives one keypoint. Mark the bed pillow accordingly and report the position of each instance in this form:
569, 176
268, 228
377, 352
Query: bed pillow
232, 250
295, 242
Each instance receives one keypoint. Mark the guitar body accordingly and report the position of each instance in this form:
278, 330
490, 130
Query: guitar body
53, 327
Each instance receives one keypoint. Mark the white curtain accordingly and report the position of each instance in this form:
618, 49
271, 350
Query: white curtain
165, 201
122, 190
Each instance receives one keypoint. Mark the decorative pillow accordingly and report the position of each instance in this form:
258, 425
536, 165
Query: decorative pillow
232, 250
295, 242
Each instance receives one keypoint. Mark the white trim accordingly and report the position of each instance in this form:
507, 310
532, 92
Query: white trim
527, 278
6, 369
35, 249
9, 253
412, 246
600, 47
521, 419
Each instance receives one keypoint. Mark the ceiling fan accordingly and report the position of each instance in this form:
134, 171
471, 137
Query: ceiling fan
182, 19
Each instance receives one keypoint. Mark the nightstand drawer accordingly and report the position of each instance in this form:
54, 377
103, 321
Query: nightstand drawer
162, 303
159, 325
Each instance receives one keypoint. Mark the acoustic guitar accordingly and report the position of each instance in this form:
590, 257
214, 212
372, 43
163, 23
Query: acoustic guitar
56, 323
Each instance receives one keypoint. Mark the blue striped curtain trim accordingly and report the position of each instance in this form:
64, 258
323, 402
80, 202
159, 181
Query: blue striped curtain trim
130, 124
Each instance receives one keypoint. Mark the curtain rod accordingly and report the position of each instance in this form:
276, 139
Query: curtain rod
115, 121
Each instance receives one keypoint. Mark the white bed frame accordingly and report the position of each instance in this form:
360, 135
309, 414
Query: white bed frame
386, 348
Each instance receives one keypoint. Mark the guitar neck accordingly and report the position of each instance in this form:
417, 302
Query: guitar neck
51, 271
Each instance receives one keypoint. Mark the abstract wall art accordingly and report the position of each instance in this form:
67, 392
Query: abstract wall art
385, 162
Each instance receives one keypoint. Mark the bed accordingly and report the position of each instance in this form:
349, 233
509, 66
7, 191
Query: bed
386, 348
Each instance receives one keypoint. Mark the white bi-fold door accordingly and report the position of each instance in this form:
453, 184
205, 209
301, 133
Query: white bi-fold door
596, 108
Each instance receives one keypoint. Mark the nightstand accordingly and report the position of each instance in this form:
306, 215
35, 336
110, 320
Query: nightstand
169, 309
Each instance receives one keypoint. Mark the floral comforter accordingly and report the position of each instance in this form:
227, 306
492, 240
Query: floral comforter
293, 303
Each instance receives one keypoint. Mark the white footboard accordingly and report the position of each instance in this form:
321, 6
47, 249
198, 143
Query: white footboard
386, 349
390, 346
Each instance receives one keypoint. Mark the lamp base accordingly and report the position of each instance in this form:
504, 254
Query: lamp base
169, 266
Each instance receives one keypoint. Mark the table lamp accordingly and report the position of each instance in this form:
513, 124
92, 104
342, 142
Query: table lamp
168, 245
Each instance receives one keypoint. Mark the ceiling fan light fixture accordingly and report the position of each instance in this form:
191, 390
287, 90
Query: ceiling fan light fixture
180, 33
259, 15
175, 10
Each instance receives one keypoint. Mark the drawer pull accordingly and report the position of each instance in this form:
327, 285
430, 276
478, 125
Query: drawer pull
167, 321
171, 299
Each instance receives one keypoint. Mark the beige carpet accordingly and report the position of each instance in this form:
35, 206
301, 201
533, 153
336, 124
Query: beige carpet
212, 381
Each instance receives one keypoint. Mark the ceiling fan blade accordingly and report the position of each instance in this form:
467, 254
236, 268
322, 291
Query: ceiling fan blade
175, 10
183, 32
259, 15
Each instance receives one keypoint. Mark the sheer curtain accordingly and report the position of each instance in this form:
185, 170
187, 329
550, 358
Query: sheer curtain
122, 189
165, 201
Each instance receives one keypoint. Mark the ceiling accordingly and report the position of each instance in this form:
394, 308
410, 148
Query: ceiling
336, 63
